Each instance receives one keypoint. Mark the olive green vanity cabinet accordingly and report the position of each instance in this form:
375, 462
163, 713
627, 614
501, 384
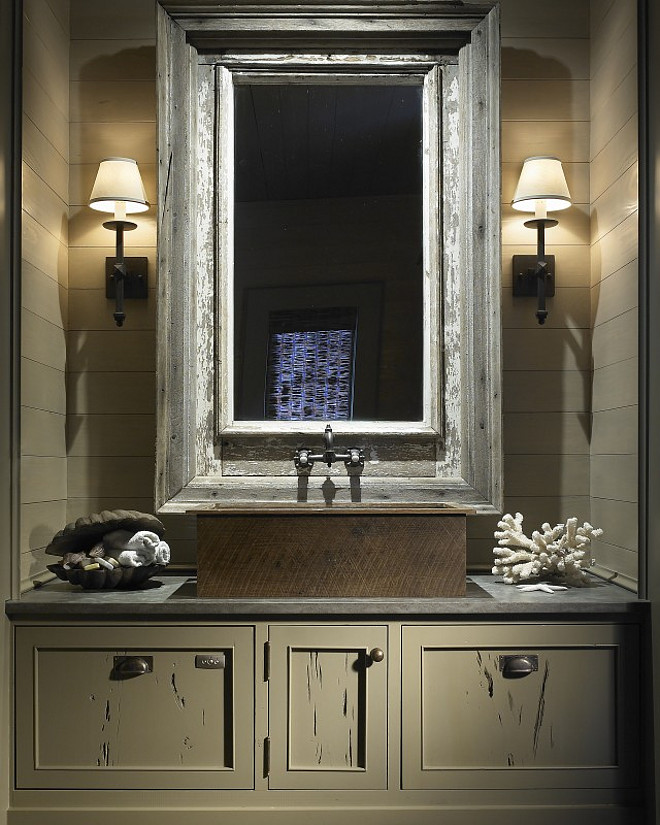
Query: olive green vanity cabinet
117, 707
328, 707
482, 709
491, 707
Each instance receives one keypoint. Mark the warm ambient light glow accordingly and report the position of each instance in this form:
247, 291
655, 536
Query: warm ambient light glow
542, 187
118, 188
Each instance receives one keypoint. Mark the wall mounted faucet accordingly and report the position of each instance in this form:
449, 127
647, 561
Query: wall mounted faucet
304, 458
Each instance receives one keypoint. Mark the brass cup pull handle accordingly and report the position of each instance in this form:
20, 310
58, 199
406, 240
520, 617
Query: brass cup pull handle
376, 654
128, 667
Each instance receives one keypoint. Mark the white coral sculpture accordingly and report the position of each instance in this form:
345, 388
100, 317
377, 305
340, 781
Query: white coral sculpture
558, 553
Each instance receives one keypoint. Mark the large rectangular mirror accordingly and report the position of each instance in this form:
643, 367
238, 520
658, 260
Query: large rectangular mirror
329, 252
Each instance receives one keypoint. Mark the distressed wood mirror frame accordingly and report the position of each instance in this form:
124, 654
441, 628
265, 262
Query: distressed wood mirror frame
206, 459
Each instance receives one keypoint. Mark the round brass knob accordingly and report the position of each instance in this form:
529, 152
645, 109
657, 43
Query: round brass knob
376, 655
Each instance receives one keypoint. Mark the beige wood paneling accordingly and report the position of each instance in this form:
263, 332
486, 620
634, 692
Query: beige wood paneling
616, 294
553, 509
564, 139
545, 58
569, 308
89, 309
83, 175
546, 349
615, 340
38, 106
60, 9
43, 478
42, 341
91, 142
112, 60
121, 20
545, 100
615, 386
598, 11
615, 112
618, 155
42, 433
32, 566
114, 101
119, 476
614, 477
43, 296
45, 205
614, 432
46, 161
614, 36
44, 251
87, 264
46, 51
573, 262
111, 392
541, 433
546, 475
617, 559
111, 435
617, 203
614, 250
562, 18
40, 521
114, 351
547, 391
618, 520
42, 387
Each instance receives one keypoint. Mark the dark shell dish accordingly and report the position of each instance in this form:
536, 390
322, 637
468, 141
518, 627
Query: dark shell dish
121, 578
80, 543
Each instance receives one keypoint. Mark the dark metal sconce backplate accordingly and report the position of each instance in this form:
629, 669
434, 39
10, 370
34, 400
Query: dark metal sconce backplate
525, 278
135, 280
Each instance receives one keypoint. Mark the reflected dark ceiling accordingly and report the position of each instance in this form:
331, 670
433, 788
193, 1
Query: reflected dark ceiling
327, 141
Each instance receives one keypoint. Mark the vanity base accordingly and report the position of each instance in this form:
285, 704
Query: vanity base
337, 554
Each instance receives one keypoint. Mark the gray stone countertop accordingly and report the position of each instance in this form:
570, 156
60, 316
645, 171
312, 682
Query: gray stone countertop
172, 597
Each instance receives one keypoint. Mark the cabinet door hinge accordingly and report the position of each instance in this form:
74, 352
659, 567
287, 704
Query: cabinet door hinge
266, 757
266, 661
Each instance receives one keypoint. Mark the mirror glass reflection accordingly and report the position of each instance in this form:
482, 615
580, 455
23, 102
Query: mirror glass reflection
328, 291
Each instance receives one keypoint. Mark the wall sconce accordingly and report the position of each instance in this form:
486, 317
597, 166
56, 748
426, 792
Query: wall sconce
541, 189
118, 188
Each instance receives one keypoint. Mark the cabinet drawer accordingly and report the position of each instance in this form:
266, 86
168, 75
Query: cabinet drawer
487, 707
85, 720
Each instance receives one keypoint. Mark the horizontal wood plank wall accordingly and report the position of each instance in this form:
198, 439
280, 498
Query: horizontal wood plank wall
546, 400
44, 279
111, 390
613, 161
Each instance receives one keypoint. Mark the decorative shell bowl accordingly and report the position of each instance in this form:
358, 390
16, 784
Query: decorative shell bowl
121, 578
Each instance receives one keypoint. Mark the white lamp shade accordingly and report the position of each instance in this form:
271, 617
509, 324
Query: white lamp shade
542, 179
118, 181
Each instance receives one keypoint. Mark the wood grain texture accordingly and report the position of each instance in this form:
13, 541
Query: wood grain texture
331, 556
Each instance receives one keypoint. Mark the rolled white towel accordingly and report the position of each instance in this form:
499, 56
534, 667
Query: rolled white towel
144, 548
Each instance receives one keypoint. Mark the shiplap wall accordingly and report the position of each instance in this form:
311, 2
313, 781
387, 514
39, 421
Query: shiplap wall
614, 284
548, 371
44, 277
547, 380
111, 388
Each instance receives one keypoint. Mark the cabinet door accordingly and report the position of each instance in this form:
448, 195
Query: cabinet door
489, 707
328, 707
84, 721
